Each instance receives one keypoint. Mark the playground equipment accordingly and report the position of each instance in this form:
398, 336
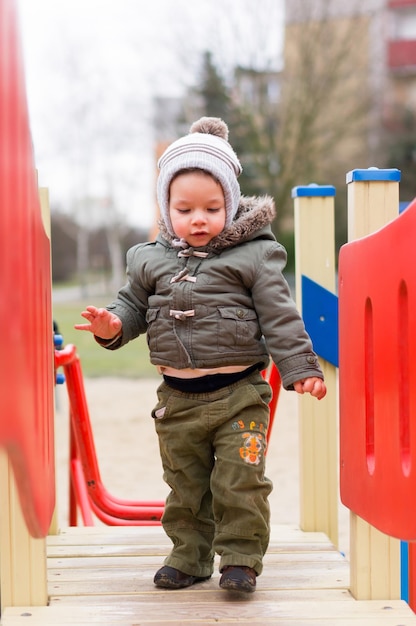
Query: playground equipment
318, 421
378, 376
27, 473
26, 294
376, 567
87, 491
377, 279
377, 440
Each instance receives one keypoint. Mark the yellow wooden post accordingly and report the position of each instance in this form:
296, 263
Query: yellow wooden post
22, 558
373, 201
46, 220
315, 258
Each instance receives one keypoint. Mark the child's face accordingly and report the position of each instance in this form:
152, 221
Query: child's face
196, 207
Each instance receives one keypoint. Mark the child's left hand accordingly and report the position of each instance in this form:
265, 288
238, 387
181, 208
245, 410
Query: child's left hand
314, 385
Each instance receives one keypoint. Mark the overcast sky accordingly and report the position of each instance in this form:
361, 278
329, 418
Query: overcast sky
124, 53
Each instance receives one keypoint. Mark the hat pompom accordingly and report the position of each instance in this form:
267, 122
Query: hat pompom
210, 126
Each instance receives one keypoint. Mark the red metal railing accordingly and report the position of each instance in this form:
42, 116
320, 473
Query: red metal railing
87, 491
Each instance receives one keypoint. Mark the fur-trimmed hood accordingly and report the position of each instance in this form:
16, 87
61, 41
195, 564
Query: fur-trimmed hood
254, 214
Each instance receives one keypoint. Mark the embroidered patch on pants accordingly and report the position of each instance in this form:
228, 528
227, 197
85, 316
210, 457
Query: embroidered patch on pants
254, 443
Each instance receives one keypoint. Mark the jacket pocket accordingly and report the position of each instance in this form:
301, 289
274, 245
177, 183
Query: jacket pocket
152, 316
238, 326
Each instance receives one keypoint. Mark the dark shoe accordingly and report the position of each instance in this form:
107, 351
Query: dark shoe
235, 578
171, 578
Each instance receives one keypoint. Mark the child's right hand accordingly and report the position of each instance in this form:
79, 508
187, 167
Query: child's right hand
313, 385
102, 323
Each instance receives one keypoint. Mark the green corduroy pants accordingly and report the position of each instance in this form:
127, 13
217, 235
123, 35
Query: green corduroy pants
212, 447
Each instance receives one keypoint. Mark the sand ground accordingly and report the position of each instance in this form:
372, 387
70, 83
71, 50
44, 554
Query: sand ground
128, 455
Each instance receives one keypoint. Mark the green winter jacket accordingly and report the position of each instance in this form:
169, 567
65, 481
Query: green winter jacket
225, 304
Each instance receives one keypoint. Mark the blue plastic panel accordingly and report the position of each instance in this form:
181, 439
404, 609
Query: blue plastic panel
320, 314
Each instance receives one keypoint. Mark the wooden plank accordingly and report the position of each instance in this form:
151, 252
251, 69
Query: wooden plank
229, 610
283, 539
50, 619
90, 562
150, 534
81, 570
196, 594
115, 535
111, 584
118, 581
96, 550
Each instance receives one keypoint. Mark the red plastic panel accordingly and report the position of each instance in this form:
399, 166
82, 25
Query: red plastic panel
26, 379
377, 317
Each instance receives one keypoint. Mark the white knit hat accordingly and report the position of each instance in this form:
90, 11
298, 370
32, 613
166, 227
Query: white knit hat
206, 147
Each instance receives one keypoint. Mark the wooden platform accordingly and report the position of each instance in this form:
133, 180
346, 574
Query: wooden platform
104, 576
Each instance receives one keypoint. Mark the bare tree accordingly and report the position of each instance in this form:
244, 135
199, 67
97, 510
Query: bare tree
327, 111
236, 32
320, 123
98, 136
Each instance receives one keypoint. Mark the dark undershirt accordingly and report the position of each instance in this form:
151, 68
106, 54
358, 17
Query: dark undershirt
210, 382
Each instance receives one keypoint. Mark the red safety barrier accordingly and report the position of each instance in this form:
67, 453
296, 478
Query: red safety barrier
377, 317
271, 374
26, 382
87, 491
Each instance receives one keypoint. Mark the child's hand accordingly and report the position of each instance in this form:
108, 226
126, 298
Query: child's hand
315, 386
102, 323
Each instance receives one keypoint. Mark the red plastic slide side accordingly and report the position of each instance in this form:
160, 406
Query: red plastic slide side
377, 317
26, 380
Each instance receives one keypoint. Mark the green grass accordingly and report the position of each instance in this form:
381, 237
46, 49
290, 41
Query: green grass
131, 361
